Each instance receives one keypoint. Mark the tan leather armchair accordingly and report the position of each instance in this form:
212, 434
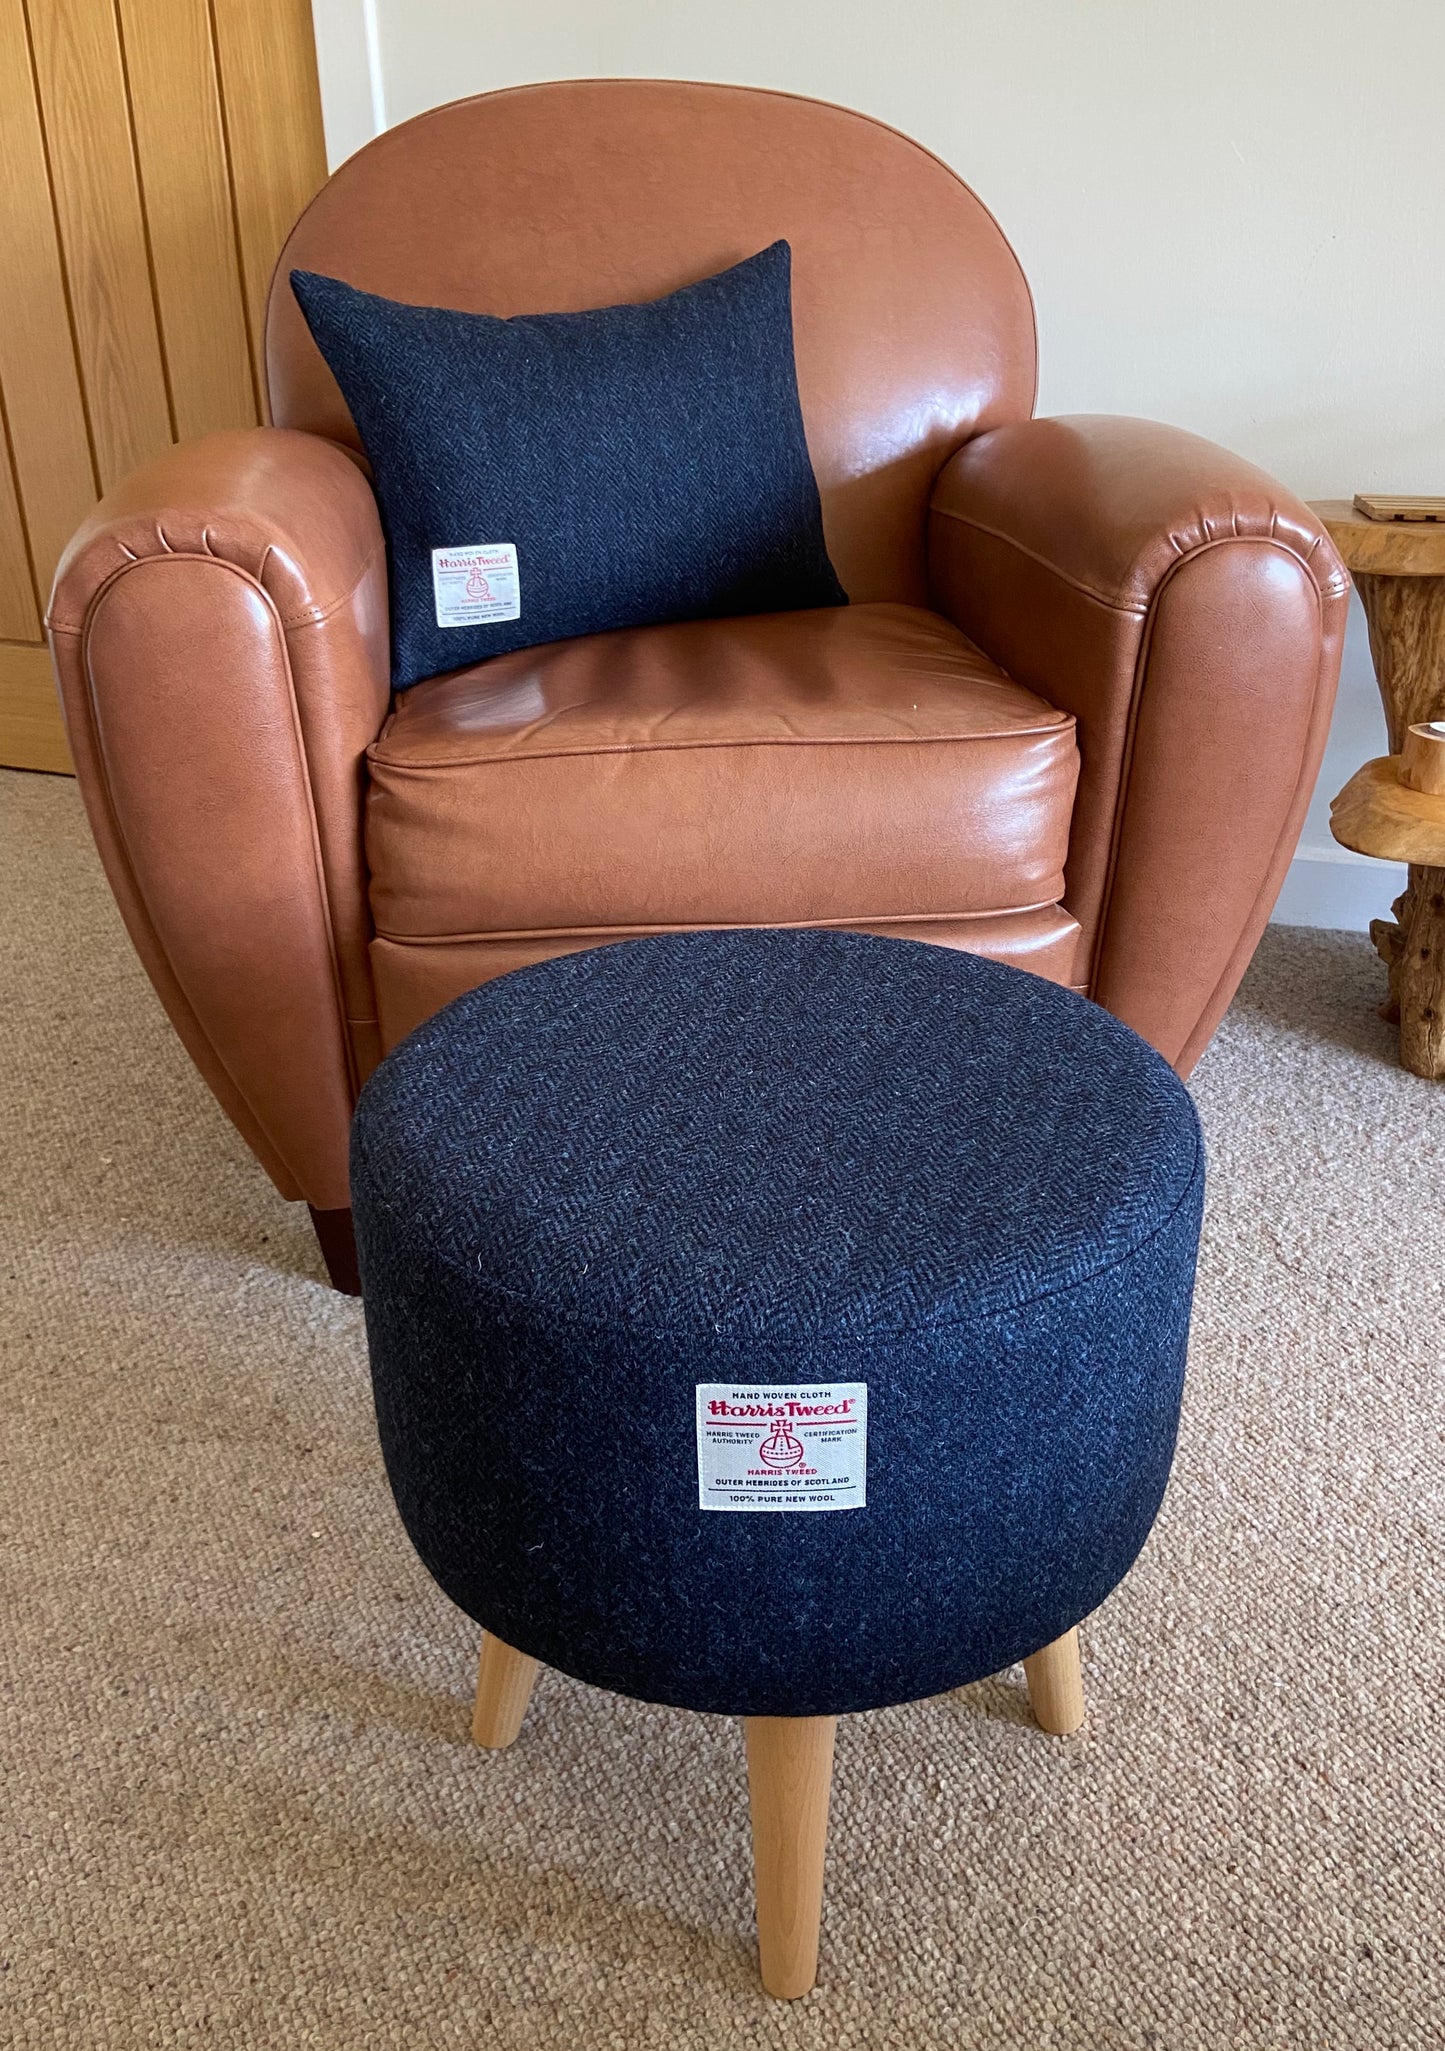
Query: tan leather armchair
1071, 717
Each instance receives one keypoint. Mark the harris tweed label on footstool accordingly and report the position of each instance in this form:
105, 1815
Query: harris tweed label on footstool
799, 1448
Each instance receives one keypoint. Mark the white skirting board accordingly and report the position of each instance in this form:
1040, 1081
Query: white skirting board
1328, 886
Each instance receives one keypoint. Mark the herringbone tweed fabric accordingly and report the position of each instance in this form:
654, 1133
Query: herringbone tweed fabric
646, 463
762, 1158
239, 1805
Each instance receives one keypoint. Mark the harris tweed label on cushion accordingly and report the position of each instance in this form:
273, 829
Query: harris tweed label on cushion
475, 584
647, 462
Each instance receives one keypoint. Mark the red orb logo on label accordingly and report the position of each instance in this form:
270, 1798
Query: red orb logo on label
781, 1449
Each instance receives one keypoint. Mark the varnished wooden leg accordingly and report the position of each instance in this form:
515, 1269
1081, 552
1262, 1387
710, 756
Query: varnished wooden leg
337, 1240
1056, 1686
790, 1774
504, 1688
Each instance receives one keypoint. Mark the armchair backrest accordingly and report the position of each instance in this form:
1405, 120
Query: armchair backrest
914, 326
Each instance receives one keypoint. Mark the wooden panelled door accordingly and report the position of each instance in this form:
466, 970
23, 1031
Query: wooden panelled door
153, 155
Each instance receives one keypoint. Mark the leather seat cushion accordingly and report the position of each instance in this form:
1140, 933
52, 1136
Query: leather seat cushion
866, 763
415, 978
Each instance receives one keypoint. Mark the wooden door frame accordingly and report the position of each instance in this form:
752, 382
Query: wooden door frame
198, 135
348, 63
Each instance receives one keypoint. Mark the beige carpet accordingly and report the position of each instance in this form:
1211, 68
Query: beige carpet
239, 1804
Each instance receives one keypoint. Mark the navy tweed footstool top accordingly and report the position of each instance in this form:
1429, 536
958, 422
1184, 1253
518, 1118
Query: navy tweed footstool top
776, 1323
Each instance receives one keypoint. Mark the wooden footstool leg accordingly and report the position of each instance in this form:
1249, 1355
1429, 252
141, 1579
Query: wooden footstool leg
1056, 1686
504, 1688
790, 1775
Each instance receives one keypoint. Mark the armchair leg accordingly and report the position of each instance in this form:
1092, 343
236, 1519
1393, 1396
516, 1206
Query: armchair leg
338, 1248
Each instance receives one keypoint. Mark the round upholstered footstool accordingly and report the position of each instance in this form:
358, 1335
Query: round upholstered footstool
780, 1325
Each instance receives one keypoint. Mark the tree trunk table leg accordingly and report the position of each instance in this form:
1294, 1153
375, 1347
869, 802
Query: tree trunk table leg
1406, 618
1412, 947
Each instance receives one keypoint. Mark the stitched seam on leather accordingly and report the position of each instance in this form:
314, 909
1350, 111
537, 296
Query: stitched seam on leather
92, 603
122, 845
715, 86
1033, 555
316, 615
1139, 607
643, 932
310, 616
1228, 970
323, 892
168, 554
1146, 614
123, 849
1066, 721
1140, 685
1137, 682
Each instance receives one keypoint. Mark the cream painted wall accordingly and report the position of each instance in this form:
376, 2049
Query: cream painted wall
1230, 214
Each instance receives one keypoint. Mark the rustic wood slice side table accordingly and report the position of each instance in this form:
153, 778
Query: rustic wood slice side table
1399, 571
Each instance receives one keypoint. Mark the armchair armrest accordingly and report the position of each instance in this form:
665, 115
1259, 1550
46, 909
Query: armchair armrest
1189, 612
219, 630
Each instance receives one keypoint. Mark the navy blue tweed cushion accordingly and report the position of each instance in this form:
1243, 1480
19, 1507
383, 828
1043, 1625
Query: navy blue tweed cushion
776, 1158
642, 463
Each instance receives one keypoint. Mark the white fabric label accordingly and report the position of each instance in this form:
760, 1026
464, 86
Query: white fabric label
476, 584
782, 1449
